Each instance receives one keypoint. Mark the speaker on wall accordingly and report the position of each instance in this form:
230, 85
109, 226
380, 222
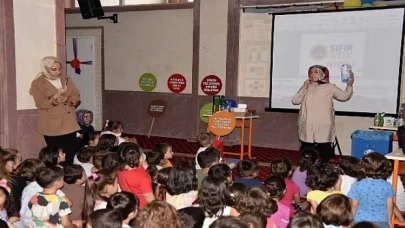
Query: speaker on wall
91, 8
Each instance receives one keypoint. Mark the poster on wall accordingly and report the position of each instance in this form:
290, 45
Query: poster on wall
147, 82
254, 57
211, 85
176, 83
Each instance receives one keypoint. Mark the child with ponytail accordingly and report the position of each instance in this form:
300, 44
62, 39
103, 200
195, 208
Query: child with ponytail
99, 187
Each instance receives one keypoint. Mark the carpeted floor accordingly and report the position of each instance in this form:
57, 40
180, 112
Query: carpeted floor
184, 150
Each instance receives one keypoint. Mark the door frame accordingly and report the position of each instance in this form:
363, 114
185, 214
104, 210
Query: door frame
98, 47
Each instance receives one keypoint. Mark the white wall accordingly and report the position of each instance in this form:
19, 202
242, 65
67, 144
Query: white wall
35, 37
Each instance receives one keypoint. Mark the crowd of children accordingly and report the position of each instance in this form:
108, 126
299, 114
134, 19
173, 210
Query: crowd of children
114, 183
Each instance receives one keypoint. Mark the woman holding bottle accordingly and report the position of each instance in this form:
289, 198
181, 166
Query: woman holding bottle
316, 122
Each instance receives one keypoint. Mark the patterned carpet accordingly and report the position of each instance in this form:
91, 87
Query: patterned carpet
184, 150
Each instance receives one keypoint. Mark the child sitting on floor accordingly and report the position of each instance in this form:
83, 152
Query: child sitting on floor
126, 204
292, 199
49, 209
248, 171
205, 140
74, 179
167, 151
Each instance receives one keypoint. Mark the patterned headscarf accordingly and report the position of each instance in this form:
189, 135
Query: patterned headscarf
323, 73
80, 116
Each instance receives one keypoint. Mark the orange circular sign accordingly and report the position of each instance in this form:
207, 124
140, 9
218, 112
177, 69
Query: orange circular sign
222, 123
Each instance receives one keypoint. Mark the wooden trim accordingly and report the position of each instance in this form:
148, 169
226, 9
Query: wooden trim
275, 2
146, 7
8, 94
60, 31
232, 55
196, 70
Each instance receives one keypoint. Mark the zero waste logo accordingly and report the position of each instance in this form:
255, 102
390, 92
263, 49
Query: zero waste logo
319, 52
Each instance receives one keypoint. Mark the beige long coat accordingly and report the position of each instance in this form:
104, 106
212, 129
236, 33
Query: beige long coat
55, 120
316, 121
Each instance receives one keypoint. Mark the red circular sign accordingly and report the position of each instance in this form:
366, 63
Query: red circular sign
211, 85
176, 83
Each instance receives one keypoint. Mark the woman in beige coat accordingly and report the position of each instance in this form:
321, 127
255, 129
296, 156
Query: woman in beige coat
316, 123
56, 98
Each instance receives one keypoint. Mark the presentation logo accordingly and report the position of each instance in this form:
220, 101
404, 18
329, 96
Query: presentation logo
319, 52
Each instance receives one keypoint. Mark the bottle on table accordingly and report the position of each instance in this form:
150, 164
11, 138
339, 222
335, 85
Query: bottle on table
400, 118
381, 120
216, 104
376, 119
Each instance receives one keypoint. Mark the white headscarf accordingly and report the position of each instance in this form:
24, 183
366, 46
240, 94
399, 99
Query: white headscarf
45, 64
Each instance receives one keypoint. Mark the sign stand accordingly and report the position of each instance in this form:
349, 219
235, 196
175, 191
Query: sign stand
156, 109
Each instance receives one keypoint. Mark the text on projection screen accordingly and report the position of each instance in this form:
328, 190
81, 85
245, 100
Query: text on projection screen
369, 40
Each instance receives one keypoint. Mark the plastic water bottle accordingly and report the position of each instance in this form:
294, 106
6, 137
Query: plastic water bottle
376, 119
400, 118
345, 71
381, 120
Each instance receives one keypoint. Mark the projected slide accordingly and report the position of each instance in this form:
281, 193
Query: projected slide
368, 40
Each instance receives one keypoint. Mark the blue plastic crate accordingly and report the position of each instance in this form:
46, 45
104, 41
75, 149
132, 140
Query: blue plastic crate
371, 141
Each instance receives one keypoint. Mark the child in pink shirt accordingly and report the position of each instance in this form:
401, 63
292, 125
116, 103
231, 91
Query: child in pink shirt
275, 185
282, 167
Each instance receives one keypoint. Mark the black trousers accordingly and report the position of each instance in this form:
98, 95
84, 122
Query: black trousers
66, 142
326, 150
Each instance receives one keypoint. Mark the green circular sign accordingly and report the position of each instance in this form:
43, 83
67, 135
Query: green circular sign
205, 110
147, 82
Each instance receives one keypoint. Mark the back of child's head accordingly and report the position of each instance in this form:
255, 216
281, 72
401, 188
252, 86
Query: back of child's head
105, 218
48, 175
154, 157
113, 125
192, 217
229, 222
152, 170
349, 166
256, 200
49, 155
365, 224
107, 142
85, 154
204, 139
322, 177
275, 186
28, 169
213, 196
90, 137
162, 147
335, 210
125, 203
111, 161
73, 174
237, 189
281, 167
305, 219
374, 165
98, 159
161, 178
307, 159
208, 158
248, 168
129, 154
254, 219
222, 170
96, 184
182, 178
157, 214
